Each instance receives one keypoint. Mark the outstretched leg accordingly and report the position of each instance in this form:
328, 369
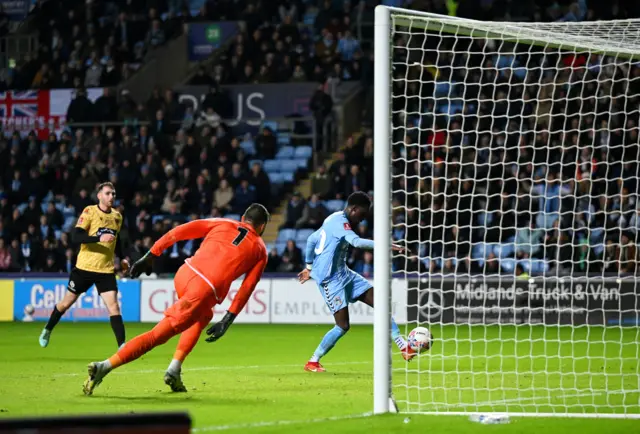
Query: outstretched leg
135, 348
400, 341
188, 340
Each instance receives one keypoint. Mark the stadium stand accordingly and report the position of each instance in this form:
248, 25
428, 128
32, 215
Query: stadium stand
183, 165
277, 48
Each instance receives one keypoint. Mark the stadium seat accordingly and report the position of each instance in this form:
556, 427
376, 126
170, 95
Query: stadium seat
285, 153
270, 166
272, 125
252, 162
288, 166
534, 266
303, 152
302, 235
284, 139
233, 216
505, 250
157, 218
484, 218
334, 205
302, 164
280, 247
598, 248
57, 233
508, 265
276, 178
248, 146
288, 177
482, 250
69, 222
285, 235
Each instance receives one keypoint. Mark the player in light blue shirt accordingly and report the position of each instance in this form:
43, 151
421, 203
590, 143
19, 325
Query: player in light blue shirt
326, 259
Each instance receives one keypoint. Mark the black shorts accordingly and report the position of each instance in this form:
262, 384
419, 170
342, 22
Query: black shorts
80, 281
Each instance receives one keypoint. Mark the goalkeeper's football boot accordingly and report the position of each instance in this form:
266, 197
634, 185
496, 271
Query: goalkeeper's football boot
44, 338
97, 372
174, 381
408, 353
314, 367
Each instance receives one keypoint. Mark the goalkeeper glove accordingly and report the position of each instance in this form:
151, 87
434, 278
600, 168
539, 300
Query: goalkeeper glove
142, 265
218, 330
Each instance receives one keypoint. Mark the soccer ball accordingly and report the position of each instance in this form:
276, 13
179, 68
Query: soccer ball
28, 309
420, 339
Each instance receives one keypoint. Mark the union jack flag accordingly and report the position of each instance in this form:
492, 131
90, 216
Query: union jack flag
19, 104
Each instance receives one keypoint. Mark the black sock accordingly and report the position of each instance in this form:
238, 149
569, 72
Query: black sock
54, 318
118, 328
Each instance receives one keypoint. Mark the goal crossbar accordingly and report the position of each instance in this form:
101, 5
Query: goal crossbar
550, 35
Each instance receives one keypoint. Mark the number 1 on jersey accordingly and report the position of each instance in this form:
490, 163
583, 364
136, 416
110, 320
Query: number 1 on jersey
242, 232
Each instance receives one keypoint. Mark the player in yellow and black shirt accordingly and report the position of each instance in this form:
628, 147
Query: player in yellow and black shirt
97, 233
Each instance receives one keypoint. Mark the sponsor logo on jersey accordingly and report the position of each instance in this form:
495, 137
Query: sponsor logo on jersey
347, 227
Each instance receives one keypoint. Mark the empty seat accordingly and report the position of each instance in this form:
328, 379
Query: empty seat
288, 177
157, 218
280, 247
302, 236
508, 265
482, 250
69, 222
270, 166
334, 205
303, 152
233, 216
276, 178
506, 250
302, 163
284, 139
285, 153
248, 146
252, 162
288, 166
272, 125
285, 235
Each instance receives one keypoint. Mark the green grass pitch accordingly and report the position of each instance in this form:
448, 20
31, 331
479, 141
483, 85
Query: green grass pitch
252, 379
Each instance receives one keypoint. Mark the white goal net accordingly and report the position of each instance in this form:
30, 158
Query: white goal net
510, 172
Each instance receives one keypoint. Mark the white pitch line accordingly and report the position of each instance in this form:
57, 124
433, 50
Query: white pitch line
277, 423
211, 368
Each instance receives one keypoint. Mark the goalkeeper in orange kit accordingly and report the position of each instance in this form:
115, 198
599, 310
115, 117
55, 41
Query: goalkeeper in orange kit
229, 250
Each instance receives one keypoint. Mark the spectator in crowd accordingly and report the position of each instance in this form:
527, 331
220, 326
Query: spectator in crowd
294, 211
313, 214
321, 182
223, 196
273, 263
5, 257
291, 259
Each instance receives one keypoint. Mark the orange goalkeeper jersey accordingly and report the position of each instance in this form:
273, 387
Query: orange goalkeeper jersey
229, 250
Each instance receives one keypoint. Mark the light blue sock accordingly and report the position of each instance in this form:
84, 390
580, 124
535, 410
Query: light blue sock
396, 336
328, 342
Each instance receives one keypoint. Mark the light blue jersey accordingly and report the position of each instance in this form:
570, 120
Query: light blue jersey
326, 252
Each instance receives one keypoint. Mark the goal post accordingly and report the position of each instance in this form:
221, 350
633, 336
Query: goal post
507, 160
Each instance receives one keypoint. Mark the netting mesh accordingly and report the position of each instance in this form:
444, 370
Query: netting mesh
515, 187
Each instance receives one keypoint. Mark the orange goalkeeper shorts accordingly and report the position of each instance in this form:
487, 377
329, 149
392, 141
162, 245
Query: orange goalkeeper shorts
195, 299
